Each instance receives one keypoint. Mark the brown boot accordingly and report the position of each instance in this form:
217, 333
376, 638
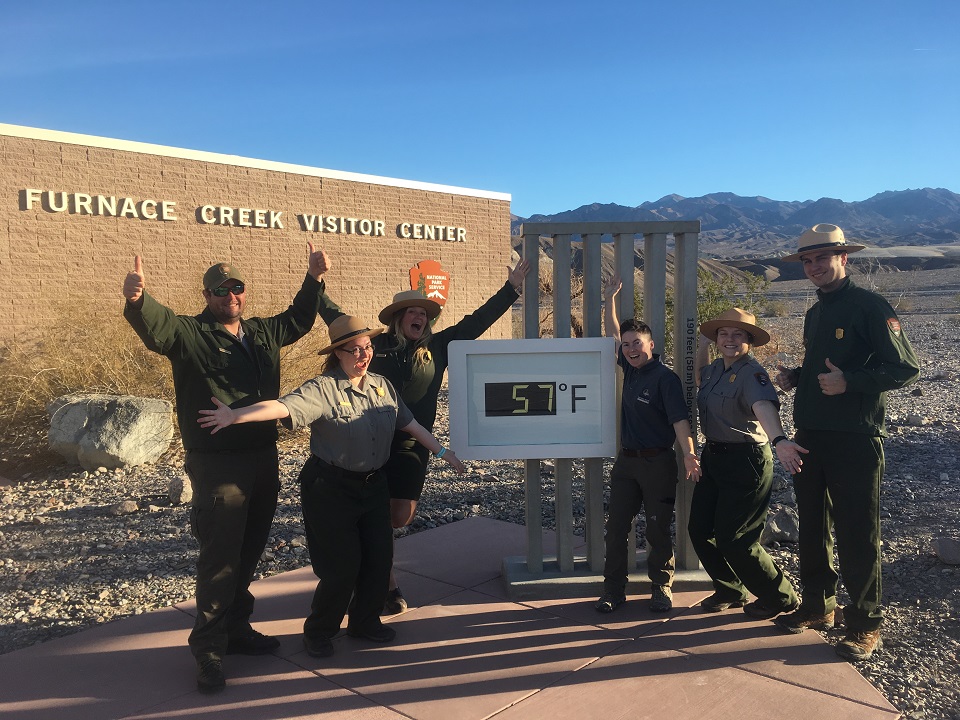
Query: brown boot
859, 644
797, 622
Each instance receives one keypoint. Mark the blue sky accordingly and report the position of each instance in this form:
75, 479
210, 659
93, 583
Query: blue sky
558, 103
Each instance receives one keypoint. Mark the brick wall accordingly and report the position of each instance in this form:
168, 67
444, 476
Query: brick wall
52, 259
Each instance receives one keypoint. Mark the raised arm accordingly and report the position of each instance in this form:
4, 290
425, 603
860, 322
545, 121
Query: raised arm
610, 318
703, 357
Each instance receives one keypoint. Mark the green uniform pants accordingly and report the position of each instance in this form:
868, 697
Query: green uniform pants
838, 490
234, 500
727, 516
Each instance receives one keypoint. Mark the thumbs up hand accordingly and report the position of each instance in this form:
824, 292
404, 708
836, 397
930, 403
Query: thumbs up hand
832, 382
134, 283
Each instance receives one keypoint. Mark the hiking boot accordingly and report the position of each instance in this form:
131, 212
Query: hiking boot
800, 620
382, 634
715, 604
318, 645
761, 611
210, 675
859, 644
251, 643
661, 598
609, 602
394, 604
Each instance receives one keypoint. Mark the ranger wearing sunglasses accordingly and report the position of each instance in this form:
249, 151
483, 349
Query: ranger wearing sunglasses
234, 473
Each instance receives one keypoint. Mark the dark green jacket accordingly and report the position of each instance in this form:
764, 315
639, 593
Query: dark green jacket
208, 361
419, 385
860, 333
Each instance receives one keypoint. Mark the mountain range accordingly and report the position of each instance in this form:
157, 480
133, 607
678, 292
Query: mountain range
734, 227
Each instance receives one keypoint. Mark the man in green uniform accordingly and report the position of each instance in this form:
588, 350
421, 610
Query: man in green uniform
234, 474
855, 351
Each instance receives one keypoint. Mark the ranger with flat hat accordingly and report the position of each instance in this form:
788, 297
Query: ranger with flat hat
855, 351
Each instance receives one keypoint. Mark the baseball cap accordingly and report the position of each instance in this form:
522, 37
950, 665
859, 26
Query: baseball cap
215, 276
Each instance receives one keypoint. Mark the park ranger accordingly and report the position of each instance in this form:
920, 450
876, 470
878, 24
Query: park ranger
855, 351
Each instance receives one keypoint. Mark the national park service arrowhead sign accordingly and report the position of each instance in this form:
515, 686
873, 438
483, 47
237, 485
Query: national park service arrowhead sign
427, 277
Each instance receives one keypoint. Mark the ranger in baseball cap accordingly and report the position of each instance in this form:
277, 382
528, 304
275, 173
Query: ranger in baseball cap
217, 274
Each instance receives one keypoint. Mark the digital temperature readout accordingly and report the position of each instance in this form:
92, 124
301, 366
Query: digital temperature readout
523, 399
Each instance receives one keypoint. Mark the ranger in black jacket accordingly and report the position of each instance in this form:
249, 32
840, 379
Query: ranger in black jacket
234, 474
855, 351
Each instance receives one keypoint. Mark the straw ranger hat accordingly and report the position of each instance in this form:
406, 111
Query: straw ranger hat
739, 319
409, 298
823, 236
344, 329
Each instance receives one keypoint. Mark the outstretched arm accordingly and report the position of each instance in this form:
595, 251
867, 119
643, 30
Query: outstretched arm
224, 416
426, 438
786, 450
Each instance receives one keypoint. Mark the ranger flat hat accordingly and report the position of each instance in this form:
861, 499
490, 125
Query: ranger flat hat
820, 237
344, 329
738, 318
217, 274
409, 298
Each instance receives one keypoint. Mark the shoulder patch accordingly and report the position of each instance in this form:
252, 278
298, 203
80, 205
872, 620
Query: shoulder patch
762, 378
894, 325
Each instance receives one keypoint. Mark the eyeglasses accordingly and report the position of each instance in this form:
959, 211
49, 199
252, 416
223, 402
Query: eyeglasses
224, 291
358, 350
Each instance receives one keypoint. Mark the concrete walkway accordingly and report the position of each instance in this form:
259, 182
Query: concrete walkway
464, 651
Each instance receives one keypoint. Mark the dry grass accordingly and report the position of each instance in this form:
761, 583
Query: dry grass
83, 353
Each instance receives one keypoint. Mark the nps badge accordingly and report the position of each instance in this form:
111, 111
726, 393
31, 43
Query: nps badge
839, 333
762, 379
894, 326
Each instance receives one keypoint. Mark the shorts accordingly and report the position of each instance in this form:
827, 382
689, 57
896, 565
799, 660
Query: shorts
407, 468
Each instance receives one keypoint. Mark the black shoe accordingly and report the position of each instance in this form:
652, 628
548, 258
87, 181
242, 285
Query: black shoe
210, 675
715, 604
761, 611
394, 604
252, 643
318, 646
609, 602
383, 634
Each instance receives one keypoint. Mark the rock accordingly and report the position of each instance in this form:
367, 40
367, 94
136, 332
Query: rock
947, 549
782, 526
108, 431
180, 490
914, 420
125, 507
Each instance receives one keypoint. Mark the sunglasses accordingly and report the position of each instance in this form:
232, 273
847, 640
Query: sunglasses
224, 291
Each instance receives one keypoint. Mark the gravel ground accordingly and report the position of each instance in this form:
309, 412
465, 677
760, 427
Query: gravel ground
78, 549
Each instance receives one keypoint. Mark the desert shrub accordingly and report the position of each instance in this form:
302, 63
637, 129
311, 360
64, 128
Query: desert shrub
777, 308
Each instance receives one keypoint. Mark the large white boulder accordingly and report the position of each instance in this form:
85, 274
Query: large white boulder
111, 431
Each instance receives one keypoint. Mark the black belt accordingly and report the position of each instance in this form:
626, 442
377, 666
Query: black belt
719, 447
646, 453
328, 469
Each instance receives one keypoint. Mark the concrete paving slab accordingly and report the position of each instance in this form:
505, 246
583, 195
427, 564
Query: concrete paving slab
467, 656
641, 680
632, 619
732, 638
268, 688
105, 672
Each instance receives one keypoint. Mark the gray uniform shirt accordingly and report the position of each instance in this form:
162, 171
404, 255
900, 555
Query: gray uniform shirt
726, 397
349, 428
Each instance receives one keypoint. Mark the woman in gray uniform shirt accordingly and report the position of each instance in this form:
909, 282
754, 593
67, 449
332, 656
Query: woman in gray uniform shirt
738, 409
352, 415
